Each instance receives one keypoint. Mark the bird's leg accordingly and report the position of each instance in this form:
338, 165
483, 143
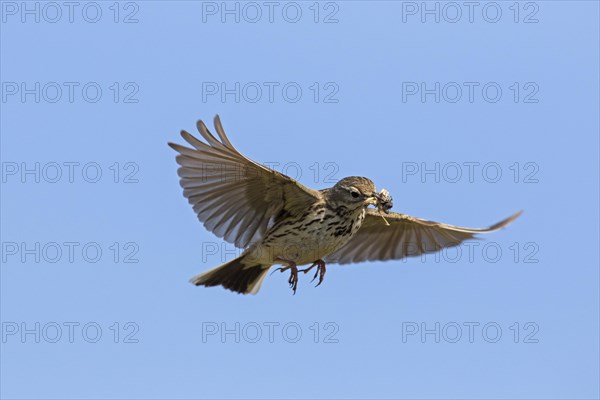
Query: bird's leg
320, 264
291, 265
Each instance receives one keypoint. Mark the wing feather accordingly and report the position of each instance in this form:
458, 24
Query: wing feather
233, 196
406, 236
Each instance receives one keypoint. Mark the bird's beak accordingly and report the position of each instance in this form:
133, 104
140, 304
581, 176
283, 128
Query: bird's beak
373, 199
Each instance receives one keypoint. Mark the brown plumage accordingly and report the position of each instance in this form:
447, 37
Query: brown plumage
279, 221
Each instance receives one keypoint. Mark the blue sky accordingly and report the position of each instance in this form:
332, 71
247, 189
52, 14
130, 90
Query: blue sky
464, 120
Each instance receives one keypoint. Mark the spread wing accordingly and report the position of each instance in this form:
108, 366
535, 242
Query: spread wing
234, 197
406, 236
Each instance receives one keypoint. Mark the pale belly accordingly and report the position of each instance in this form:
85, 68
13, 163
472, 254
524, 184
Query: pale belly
310, 238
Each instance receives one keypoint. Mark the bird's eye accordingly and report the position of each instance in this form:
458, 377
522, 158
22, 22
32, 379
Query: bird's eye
355, 194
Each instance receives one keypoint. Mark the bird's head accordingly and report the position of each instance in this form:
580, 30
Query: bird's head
356, 192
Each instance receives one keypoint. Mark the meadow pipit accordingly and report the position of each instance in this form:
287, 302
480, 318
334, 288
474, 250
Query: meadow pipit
279, 221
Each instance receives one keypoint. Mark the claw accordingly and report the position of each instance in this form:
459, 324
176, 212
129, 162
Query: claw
320, 264
305, 270
315, 277
321, 272
293, 280
280, 269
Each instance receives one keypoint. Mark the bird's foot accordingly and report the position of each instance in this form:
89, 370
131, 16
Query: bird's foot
321, 269
291, 265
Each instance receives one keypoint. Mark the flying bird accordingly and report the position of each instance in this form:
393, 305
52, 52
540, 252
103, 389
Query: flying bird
277, 220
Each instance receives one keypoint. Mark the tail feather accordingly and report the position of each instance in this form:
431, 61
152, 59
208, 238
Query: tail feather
235, 276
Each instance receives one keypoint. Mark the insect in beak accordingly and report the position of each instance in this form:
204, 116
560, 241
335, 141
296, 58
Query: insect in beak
383, 203
384, 200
